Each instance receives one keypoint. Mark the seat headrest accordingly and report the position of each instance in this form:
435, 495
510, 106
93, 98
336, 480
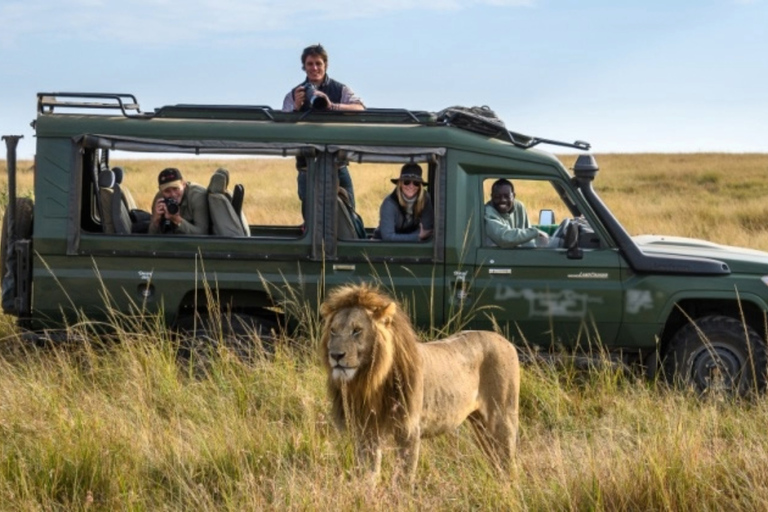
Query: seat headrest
106, 179
218, 184
225, 172
118, 174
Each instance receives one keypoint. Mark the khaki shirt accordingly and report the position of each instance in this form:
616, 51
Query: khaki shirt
193, 209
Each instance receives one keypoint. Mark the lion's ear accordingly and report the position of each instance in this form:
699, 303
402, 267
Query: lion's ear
386, 314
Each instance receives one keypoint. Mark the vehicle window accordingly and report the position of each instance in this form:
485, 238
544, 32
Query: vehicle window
118, 195
373, 184
513, 224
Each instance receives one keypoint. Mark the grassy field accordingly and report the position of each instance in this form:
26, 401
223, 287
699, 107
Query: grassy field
125, 426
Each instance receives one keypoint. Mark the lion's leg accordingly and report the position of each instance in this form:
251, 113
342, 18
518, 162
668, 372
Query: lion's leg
497, 437
368, 455
504, 433
408, 446
483, 437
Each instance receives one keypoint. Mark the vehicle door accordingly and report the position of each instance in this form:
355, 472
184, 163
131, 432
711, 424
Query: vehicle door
548, 296
410, 270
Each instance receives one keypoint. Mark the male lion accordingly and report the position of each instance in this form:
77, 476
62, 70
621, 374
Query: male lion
382, 381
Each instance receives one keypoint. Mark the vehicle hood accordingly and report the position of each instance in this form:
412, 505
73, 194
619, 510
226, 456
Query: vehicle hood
739, 259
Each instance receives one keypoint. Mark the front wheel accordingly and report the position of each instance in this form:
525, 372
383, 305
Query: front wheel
717, 353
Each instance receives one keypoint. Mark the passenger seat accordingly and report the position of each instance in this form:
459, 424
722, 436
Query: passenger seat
224, 220
115, 217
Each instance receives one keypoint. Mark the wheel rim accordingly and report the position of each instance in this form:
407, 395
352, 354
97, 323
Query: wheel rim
717, 367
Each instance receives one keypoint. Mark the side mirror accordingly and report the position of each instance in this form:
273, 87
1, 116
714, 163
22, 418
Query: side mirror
546, 217
574, 252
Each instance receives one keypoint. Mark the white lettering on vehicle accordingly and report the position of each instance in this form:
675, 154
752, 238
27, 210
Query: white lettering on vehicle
145, 275
589, 275
565, 303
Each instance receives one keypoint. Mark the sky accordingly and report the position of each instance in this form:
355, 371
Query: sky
624, 75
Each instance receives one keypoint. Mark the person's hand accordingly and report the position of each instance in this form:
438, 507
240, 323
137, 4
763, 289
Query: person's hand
299, 95
424, 233
542, 239
159, 211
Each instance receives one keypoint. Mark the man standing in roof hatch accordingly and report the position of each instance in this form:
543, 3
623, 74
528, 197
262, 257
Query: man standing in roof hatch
320, 92
336, 96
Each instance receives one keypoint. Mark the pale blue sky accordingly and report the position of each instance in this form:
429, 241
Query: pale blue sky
627, 76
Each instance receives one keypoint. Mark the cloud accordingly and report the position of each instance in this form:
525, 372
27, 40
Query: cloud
149, 22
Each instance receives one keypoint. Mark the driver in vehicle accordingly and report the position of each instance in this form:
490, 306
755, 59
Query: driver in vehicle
506, 220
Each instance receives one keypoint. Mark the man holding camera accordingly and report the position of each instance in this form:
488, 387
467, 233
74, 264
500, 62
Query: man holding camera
328, 94
320, 92
179, 207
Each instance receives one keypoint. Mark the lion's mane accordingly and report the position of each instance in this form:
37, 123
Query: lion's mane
381, 393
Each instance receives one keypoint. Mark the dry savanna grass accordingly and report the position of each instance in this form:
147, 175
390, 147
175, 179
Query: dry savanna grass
126, 426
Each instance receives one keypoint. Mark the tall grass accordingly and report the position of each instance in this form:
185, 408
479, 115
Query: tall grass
124, 424
128, 426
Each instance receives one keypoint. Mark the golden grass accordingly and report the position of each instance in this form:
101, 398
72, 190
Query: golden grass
124, 427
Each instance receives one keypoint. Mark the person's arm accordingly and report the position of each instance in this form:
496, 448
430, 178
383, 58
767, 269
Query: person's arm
349, 101
503, 235
198, 210
294, 99
157, 215
288, 105
346, 106
387, 215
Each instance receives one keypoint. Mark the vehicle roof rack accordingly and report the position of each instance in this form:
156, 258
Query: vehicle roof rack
126, 103
484, 121
481, 120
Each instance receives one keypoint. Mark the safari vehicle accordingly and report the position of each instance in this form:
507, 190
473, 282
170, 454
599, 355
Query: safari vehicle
692, 307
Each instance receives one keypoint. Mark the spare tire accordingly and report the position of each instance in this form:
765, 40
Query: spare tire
22, 231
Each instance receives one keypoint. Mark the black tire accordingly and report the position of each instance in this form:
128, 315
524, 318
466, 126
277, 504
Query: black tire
247, 336
22, 231
718, 353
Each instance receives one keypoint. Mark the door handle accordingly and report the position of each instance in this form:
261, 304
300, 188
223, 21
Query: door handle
500, 271
343, 267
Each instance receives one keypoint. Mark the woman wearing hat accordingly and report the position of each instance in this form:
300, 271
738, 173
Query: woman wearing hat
406, 214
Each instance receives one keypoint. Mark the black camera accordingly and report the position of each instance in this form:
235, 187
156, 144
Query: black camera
313, 99
171, 205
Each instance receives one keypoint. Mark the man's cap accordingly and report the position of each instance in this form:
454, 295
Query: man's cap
170, 177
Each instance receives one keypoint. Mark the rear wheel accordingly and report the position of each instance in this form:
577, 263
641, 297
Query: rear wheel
717, 354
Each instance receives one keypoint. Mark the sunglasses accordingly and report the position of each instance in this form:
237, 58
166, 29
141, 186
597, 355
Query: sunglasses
409, 182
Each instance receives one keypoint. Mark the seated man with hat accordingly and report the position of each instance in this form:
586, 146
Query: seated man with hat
179, 207
406, 214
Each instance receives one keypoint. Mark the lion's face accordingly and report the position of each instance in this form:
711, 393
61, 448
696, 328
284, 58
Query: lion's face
355, 343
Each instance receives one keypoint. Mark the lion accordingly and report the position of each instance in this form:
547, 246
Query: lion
383, 382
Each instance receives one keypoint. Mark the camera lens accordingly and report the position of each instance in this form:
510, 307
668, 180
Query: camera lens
313, 99
320, 102
171, 206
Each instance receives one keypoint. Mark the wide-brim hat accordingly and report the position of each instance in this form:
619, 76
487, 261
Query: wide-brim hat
410, 171
170, 177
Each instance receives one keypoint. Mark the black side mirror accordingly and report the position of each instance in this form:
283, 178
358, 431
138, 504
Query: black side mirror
574, 252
